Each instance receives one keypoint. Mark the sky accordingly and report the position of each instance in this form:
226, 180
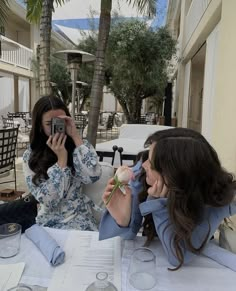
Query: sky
76, 15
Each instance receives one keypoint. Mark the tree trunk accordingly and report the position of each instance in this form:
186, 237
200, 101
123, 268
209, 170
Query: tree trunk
99, 70
132, 115
44, 56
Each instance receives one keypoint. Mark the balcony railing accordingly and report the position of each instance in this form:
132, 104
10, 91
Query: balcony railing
15, 53
195, 13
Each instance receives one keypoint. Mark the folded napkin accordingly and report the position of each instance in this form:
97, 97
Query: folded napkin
46, 244
220, 255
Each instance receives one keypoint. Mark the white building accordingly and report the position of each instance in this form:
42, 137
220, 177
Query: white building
19, 42
204, 71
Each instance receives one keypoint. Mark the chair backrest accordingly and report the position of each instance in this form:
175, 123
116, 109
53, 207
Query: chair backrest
80, 120
126, 157
106, 154
18, 115
8, 141
8, 122
142, 119
110, 121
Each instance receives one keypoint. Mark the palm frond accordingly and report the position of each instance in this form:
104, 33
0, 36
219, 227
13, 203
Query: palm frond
146, 7
34, 10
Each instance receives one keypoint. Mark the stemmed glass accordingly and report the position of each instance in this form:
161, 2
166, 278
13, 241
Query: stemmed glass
142, 270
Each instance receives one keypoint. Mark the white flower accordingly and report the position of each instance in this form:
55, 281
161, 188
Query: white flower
124, 174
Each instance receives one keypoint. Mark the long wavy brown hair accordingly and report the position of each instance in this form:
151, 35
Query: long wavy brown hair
194, 177
42, 157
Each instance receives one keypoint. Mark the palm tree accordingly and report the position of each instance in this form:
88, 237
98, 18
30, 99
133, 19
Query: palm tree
40, 11
144, 6
4, 7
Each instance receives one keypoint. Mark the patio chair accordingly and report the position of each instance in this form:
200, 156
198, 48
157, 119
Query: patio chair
22, 124
107, 154
143, 119
22, 138
8, 141
126, 157
107, 127
80, 122
8, 122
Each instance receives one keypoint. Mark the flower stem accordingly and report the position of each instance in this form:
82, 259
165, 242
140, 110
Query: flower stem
117, 185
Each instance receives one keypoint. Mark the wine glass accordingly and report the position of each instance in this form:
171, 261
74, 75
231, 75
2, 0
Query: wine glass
142, 270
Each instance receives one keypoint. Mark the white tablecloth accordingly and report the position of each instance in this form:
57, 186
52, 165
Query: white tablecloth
203, 274
140, 131
129, 145
131, 138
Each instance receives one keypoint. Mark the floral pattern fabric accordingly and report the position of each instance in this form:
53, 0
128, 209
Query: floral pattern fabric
62, 205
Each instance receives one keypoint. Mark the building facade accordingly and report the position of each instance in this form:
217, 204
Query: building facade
19, 41
203, 71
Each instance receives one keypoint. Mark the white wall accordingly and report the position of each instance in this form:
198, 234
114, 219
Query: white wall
6, 93
109, 102
24, 95
209, 83
186, 94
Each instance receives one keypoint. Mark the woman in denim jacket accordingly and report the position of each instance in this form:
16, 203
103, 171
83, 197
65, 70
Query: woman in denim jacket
188, 196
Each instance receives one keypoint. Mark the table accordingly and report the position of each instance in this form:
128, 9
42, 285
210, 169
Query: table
131, 138
140, 131
202, 274
129, 145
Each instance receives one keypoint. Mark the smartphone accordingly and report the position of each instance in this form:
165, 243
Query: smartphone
58, 125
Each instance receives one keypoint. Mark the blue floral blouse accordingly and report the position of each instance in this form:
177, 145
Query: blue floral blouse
62, 205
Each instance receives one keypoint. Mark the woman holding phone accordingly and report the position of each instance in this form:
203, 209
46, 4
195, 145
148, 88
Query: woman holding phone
56, 165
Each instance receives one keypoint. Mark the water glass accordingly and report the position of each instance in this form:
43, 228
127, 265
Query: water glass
10, 235
20, 288
142, 270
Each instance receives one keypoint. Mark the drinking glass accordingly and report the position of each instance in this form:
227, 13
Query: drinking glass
101, 284
20, 288
10, 235
142, 270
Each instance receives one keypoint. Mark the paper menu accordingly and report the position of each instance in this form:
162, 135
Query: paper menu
85, 257
10, 275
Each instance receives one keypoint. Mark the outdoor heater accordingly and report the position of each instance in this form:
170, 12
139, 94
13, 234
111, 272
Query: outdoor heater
74, 60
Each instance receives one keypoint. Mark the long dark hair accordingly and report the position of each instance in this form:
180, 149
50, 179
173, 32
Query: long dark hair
194, 177
42, 157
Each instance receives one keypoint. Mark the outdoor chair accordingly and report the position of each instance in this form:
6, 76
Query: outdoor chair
8, 122
142, 119
105, 154
80, 122
126, 157
8, 141
22, 138
23, 127
107, 127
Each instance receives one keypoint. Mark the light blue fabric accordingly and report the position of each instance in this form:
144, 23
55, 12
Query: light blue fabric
212, 217
46, 244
